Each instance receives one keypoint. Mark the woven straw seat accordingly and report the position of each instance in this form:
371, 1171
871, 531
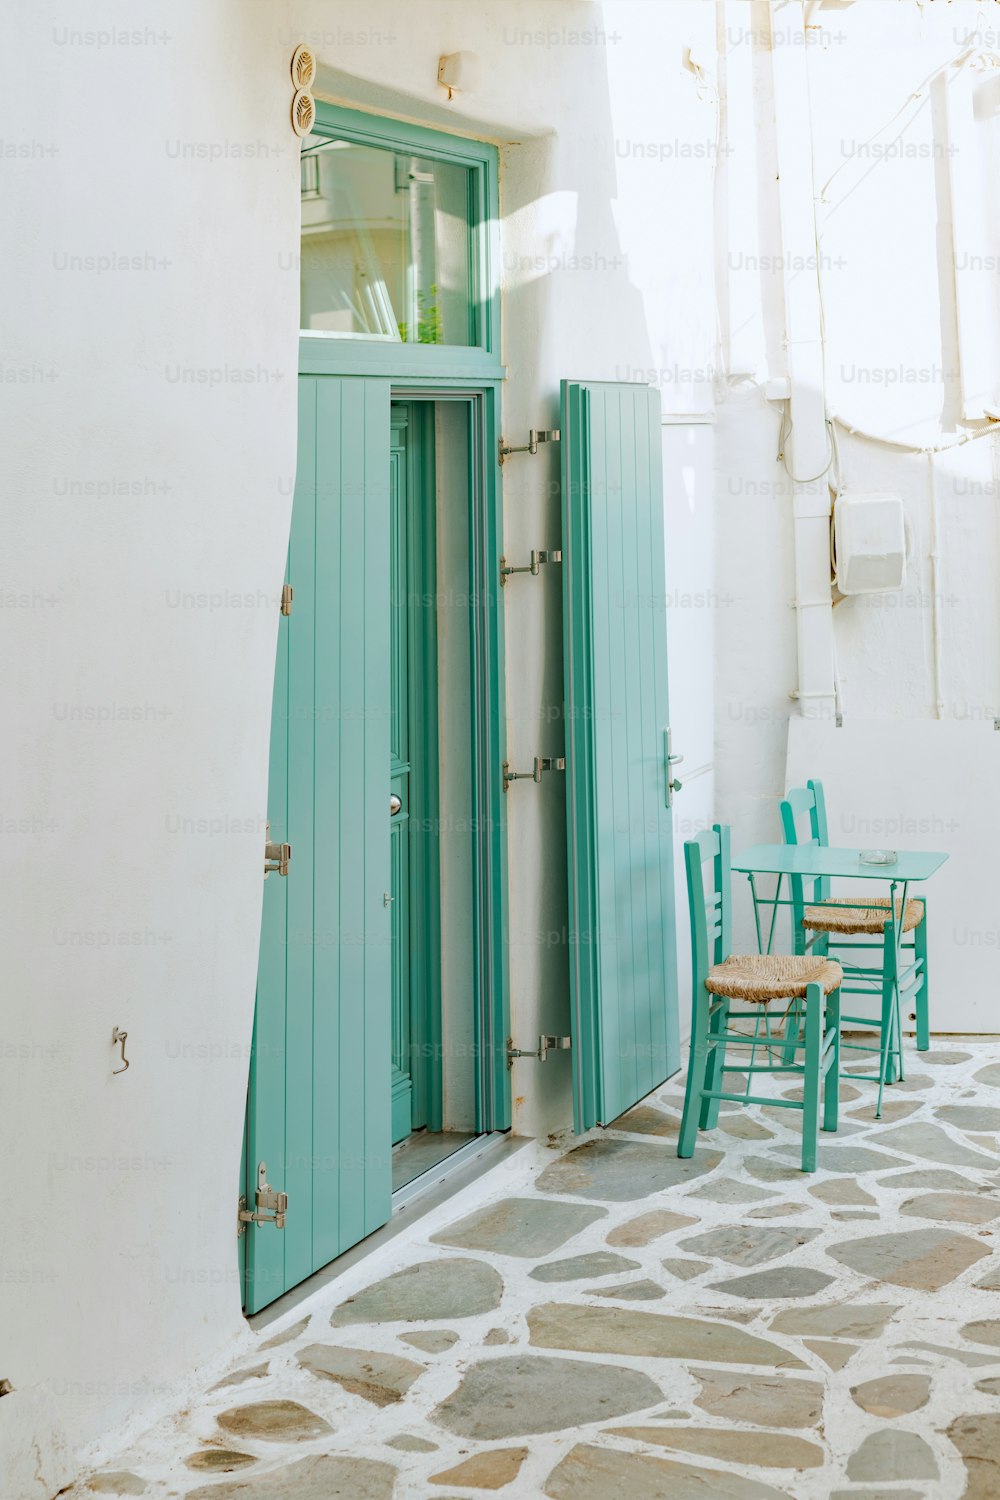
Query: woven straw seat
762, 977
857, 919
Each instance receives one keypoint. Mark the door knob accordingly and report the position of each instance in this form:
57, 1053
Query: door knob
395, 805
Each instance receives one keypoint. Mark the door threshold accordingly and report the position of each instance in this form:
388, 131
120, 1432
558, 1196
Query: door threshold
440, 1172
410, 1203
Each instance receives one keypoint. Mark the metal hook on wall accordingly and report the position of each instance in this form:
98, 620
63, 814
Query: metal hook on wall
120, 1038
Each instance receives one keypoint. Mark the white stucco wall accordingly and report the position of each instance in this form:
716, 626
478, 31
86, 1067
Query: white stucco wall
148, 431
893, 367
149, 439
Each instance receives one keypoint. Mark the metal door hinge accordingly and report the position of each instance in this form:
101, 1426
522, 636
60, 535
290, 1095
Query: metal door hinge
537, 558
271, 1207
546, 1044
542, 763
276, 856
287, 595
535, 436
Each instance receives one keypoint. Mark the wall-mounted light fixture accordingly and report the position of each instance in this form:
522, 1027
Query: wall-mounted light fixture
458, 72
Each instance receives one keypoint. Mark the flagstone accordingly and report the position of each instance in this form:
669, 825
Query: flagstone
775, 1210
743, 1127
643, 1119
848, 1159
990, 1386
929, 1180
406, 1442
985, 1331
497, 1336
970, 1116
425, 1292
833, 1354
944, 1059
847, 1092
960, 1356
892, 1109
924, 1258
618, 1171
376, 1377
921, 1138
952, 1208
842, 1191
273, 1421
598, 1263
977, 1438
913, 1083
485, 1471
519, 1394
879, 1494
748, 1244
766, 1449
728, 1190
765, 1400
685, 1269
219, 1460
526, 1227
632, 1291
619, 1330
117, 1482
322, 1477
239, 1377
433, 1341
990, 1282
646, 1228
780, 1282
850, 1320
287, 1335
591, 1473
990, 1075
767, 1169
892, 1454
892, 1395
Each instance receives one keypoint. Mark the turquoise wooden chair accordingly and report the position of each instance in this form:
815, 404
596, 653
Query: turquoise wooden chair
822, 924
720, 979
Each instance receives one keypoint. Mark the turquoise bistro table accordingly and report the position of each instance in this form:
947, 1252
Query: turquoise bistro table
812, 862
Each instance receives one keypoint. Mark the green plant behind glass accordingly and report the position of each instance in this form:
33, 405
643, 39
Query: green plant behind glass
429, 328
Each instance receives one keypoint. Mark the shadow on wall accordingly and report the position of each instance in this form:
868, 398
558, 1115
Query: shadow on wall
570, 311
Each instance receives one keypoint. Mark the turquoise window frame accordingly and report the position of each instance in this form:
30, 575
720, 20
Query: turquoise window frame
328, 353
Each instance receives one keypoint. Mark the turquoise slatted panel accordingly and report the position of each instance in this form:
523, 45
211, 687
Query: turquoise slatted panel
371, 491
328, 851
622, 942
318, 1109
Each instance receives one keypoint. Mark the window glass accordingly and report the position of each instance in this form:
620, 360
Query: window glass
386, 244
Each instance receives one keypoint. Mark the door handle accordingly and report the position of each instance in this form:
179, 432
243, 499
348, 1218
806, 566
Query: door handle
669, 761
395, 804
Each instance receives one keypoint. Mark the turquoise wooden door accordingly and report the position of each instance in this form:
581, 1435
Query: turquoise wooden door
399, 777
318, 1110
623, 971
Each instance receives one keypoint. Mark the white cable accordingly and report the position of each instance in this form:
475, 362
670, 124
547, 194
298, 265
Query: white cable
932, 554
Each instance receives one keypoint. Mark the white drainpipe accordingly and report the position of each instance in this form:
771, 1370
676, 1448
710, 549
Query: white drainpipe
807, 451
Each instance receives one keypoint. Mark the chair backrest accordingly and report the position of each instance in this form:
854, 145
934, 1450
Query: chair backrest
709, 877
803, 821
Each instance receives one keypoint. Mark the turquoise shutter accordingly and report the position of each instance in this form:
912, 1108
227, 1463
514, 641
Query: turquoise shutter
318, 1105
623, 971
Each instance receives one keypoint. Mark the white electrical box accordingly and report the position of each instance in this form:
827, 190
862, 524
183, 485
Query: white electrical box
869, 533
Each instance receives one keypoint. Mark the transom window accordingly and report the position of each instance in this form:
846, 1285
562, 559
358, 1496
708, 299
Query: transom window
393, 243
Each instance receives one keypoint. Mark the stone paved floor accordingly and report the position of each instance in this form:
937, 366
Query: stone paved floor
597, 1319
